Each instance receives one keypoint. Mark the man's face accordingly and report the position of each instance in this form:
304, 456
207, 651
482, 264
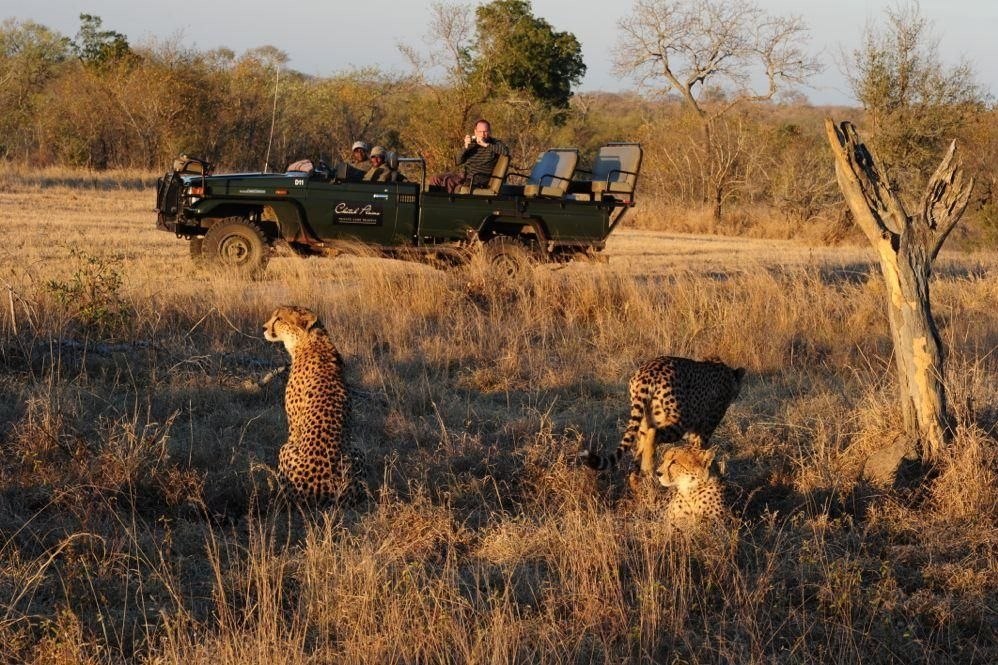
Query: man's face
359, 155
483, 132
377, 160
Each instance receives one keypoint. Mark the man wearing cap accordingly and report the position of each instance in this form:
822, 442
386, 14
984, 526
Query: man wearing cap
480, 154
379, 171
358, 164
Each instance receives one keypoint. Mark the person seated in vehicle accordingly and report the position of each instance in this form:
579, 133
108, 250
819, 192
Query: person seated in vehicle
476, 161
359, 163
379, 171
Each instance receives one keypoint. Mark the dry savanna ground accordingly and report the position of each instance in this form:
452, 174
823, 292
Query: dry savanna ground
138, 449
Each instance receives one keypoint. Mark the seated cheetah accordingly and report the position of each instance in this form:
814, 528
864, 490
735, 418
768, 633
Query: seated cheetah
316, 463
674, 396
698, 493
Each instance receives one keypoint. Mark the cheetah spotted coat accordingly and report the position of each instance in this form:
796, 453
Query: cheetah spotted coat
671, 398
316, 464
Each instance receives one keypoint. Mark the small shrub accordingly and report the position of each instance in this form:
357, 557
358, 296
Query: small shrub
92, 295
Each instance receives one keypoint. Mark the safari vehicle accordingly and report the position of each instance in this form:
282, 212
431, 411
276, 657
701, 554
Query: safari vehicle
235, 220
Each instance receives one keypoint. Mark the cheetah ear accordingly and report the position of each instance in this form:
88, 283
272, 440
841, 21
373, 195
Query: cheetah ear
708, 456
309, 320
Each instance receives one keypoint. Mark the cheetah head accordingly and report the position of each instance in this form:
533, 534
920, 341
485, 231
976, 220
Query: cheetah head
685, 467
290, 324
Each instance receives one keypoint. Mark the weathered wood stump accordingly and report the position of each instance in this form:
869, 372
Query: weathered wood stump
906, 246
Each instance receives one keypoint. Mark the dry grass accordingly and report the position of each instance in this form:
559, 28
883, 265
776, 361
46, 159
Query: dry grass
135, 467
828, 227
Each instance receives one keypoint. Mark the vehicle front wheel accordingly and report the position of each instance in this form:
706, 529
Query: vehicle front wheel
238, 245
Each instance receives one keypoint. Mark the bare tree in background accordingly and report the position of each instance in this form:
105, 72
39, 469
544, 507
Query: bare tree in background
457, 92
695, 45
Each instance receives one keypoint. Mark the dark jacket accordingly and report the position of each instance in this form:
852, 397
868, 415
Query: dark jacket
478, 161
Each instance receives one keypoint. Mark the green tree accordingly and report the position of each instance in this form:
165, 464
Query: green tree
519, 52
499, 61
97, 47
915, 104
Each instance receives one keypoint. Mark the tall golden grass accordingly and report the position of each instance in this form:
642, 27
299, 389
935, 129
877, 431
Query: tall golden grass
138, 449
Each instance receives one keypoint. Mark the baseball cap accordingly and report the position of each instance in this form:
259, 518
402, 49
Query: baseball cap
378, 151
360, 144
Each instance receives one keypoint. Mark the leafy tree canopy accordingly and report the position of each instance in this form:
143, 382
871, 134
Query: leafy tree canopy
29, 39
97, 47
29, 53
915, 103
516, 50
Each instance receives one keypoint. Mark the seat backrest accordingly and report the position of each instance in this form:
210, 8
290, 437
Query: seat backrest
552, 172
495, 181
392, 162
497, 178
191, 165
617, 166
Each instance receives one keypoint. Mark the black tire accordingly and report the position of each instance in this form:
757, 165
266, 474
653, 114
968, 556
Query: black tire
508, 255
236, 245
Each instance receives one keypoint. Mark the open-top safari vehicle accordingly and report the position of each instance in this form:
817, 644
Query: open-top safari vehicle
235, 220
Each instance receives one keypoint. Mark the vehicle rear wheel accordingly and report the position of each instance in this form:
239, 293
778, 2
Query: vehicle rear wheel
508, 255
236, 244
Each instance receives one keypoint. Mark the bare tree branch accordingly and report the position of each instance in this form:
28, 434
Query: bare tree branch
882, 215
448, 39
698, 42
695, 46
946, 198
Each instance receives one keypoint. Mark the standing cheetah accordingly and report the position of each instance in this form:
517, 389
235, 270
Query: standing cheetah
698, 494
316, 463
674, 396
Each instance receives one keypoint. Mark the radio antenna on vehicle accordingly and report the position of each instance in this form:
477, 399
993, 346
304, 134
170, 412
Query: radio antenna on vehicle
273, 119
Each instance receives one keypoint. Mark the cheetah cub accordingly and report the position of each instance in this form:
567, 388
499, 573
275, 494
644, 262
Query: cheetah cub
699, 495
673, 398
317, 463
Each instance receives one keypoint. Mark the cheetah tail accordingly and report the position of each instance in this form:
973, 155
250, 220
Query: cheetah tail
600, 462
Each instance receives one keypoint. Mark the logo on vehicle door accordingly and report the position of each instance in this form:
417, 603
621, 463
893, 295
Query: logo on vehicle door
357, 212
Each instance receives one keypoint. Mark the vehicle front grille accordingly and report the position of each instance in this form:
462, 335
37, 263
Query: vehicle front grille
168, 195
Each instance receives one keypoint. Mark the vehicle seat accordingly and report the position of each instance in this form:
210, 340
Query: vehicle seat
496, 179
392, 162
191, 165
552, 173
615, 173
387, 172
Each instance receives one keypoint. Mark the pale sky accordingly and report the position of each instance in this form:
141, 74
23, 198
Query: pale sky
326, 36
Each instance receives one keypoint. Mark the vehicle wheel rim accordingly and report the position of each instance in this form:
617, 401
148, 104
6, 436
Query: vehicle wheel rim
506, 264
235, 250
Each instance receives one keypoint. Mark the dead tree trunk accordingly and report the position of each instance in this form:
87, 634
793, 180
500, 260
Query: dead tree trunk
906, 247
